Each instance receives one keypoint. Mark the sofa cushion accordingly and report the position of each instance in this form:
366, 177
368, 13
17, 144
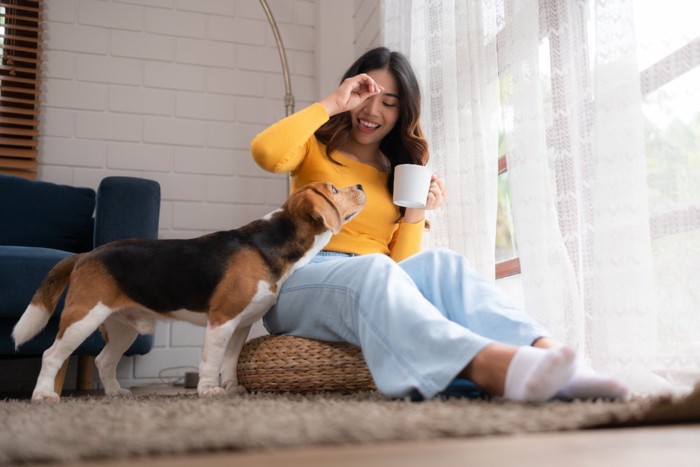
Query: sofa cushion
43, 214
21, 271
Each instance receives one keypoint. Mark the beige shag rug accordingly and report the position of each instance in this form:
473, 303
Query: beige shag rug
101, 428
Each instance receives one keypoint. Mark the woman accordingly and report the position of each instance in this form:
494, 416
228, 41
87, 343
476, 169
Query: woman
422, 319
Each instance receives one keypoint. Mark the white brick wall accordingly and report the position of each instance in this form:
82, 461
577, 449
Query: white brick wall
367, 25
174, 90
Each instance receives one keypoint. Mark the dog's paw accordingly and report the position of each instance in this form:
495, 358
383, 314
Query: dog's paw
45, 396
211, 391
120, 392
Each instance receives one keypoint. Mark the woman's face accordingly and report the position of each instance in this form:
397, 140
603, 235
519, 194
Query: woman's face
375, 118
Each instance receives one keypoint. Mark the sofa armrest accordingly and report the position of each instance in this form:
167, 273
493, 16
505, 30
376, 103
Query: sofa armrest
126, 207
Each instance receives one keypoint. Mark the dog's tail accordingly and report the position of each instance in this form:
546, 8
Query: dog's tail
44, 301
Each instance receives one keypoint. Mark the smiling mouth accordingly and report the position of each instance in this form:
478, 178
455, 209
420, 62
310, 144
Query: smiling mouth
367, 126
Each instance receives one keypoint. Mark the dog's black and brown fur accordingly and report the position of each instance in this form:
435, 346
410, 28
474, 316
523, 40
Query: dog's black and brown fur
224, 281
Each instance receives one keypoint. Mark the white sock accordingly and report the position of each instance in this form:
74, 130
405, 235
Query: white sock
535, 375
586, 384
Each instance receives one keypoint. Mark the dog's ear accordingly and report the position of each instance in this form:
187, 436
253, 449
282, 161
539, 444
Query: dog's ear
325, 215
318, 206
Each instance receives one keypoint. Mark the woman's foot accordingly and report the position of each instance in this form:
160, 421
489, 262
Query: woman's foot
535, 375
586, 384
521, 373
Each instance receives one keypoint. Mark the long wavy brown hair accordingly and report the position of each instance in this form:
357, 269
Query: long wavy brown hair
405, 143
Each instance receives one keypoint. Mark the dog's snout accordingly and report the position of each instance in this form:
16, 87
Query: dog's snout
359, 187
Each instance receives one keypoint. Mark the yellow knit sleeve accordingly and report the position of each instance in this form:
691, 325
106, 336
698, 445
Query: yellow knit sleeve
282, 146
407, 240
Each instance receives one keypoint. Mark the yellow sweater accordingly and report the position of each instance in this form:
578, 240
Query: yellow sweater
290, 146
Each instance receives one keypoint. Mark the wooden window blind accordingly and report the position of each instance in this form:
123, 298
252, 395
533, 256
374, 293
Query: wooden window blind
20, 47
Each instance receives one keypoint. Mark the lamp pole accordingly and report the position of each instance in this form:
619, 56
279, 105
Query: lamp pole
288, 96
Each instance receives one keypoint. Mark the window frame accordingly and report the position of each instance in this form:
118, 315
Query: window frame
510, 266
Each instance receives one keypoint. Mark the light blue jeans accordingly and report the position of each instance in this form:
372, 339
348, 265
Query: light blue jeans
418, 323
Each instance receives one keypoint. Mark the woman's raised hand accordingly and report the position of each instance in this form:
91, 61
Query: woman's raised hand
351, 93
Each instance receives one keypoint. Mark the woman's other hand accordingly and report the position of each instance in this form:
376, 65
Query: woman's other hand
351, 93
436, 198
436, 193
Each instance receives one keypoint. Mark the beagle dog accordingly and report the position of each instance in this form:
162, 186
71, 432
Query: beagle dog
224, 281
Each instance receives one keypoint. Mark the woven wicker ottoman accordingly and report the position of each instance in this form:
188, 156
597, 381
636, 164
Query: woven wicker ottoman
299, 365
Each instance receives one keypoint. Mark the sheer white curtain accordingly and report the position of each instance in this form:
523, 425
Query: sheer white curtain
604, 172
452, 47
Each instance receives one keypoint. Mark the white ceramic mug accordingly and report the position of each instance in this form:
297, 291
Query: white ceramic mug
411, 185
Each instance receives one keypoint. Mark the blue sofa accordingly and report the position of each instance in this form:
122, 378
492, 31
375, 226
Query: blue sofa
41, 223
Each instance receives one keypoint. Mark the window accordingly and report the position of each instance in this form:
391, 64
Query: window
669, 60
20, 46
670, 81
507, 261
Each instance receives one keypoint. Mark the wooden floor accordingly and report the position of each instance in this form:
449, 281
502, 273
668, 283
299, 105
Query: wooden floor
677, 446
